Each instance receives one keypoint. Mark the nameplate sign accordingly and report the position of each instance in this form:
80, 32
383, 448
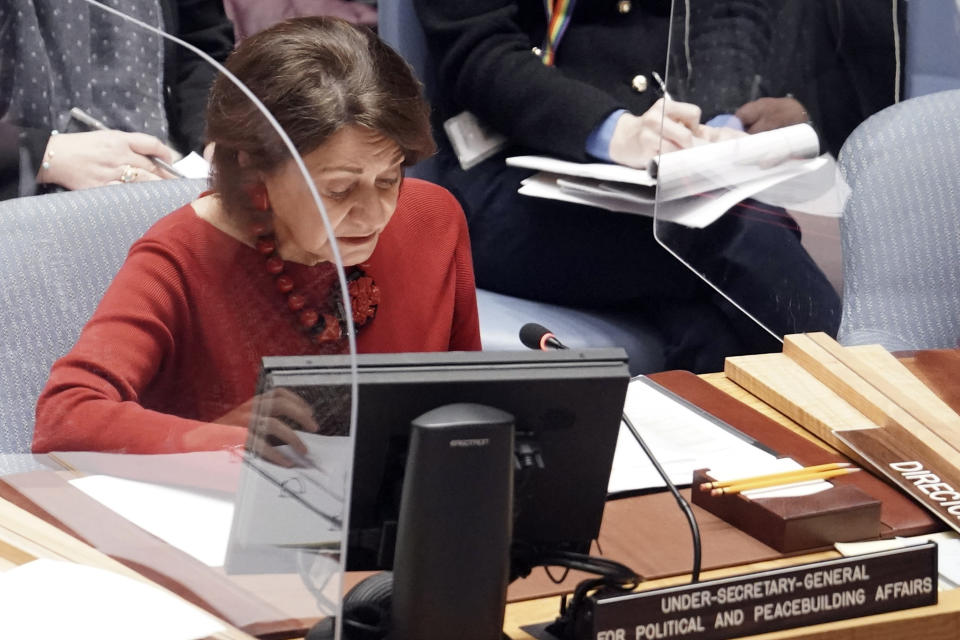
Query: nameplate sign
917, 469
772, 600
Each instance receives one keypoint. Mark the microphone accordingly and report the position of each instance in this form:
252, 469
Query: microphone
538, 337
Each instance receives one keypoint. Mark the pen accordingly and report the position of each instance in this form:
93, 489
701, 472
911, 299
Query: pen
755, 87
662, 85
82, 116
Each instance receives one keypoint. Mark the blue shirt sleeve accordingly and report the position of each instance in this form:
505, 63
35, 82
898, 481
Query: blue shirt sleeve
598, 142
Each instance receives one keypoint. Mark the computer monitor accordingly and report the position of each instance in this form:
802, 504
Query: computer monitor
567, 406
541, 487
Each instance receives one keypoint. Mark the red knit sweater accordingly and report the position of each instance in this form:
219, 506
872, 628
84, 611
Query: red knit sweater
177, 340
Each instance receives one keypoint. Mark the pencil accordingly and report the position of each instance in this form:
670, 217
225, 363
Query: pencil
82, 116
763, 484
830, 466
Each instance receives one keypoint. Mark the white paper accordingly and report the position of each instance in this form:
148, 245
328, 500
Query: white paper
595, 170
193, 165
948, 557
948, 553
702, 168
732, 471
823, 191
299, 506
694, 211
681, 438
205, 471
58, 600
732, 162
196, 523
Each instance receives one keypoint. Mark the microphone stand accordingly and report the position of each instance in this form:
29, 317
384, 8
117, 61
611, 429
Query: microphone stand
535, 336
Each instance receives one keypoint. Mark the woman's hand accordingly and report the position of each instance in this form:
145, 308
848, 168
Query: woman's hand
637, 139
96, 158
268, 417
766, 114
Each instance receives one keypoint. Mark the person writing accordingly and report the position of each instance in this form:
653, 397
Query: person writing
576, 80
169, 360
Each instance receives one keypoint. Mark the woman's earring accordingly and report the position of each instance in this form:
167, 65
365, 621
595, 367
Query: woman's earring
258, 197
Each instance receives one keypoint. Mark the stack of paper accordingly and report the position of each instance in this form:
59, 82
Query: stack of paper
695, 186
682, 437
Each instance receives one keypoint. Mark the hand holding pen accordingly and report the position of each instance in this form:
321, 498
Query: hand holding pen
666, 126
82, 116
96, 158
702, 133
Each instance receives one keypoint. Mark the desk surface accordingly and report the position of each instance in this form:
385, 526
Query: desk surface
525, 620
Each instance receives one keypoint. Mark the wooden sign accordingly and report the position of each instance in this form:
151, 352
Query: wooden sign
916, 469
865, 403
771, 600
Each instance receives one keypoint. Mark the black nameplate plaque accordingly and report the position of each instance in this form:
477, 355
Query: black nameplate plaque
772, 600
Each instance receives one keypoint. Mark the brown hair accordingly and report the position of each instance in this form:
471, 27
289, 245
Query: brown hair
315, 75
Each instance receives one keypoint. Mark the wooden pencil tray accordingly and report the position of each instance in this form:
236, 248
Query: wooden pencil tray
843, 513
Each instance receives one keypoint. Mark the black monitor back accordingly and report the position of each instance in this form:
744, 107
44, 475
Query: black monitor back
567, 406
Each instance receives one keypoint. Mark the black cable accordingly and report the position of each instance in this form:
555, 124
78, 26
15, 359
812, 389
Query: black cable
611, 571
615, 578
553, 579
684, 506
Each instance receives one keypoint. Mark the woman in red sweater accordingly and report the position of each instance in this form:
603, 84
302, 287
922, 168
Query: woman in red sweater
170, 358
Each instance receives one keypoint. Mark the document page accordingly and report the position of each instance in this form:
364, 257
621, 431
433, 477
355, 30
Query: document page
57, 599
682, 437
738, 161
194, 522
695, 186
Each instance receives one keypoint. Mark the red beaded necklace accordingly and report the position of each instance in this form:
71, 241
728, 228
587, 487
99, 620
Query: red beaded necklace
322, 327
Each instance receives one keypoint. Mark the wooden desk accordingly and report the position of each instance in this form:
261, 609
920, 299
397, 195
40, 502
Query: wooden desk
524, 620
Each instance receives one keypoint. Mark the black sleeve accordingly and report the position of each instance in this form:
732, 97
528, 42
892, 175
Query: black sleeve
21, 152
204, 24
486, 65
9, 161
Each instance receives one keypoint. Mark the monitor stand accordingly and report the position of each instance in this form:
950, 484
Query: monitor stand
451, 564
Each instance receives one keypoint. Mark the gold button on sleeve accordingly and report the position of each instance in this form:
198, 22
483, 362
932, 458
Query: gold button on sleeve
639, 83
624, 6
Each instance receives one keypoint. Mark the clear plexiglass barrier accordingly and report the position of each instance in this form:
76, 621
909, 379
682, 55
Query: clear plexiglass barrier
750, 195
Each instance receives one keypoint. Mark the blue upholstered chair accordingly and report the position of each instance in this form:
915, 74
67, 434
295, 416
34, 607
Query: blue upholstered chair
901, 229
501, 316
58, 253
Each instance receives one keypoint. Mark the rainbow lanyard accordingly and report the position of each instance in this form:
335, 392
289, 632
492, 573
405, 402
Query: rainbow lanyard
558, 18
